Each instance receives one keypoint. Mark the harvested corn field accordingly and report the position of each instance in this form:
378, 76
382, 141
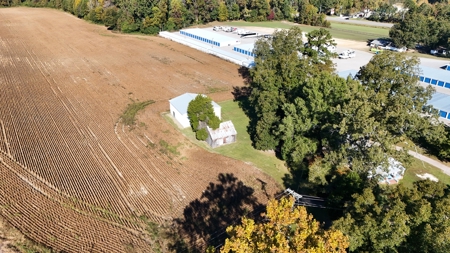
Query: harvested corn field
72, 175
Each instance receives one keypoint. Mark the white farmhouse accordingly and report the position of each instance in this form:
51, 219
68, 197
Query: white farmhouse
179, 106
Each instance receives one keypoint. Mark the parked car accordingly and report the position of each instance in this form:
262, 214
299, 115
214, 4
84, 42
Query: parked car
441, 52
347, 54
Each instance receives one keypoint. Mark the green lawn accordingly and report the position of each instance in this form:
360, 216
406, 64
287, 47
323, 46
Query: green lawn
242, 149
417, 167
337, 30
268, 24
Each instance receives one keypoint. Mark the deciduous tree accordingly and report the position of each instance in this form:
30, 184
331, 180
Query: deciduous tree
285, 229
399, 219
201, 113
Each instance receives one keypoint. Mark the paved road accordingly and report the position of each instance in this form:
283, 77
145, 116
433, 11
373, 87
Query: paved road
437, 164
359, 22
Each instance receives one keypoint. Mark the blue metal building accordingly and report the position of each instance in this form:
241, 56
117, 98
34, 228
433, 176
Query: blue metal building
213, 38
441, 102
435, 76
246, 49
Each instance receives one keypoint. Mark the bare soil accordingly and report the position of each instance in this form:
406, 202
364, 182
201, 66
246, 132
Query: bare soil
71, 175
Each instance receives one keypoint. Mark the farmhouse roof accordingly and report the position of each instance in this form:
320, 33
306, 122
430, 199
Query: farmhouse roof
181, 102
225, 129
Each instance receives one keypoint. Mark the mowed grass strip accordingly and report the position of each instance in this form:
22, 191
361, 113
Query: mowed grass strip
338, 30
242, 149
129, 115
419, 167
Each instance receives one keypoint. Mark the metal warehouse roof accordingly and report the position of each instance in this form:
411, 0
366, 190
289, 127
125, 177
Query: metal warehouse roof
440, 101
217, 37
248, 47
435, 73
346, 73
225, 129
181, 103
236, 56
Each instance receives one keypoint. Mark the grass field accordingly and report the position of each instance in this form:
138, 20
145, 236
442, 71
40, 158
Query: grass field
337, 30
417, 167
242, 149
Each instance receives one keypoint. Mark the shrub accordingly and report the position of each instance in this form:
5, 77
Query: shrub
201, 134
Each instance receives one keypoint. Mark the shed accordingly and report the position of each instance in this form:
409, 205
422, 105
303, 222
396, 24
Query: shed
179, 106
246, 49
213, 38
225, 134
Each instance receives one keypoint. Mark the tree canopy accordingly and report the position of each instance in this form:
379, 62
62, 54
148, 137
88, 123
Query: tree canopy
336, 127
285, 229
399, 219
425, 24
201, 114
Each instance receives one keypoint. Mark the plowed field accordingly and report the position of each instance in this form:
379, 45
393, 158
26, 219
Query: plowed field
71, 175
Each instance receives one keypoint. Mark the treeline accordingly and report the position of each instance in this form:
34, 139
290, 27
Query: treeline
337, 134
427, 25
152, 16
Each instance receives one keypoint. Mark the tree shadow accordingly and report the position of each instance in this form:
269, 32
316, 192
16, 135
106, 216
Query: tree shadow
337, 192
241, 95
205, 219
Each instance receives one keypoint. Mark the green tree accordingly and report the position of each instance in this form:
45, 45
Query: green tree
176, 14
287, 229
399, 103
277, 74
413, 29
201, 114
110, 16
318, 49
223, 12
261, 8
399, 219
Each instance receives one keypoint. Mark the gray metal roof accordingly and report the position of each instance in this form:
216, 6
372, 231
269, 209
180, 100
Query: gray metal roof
215, 36
225, 129
435, 73
236, 56
181, 103
440, 101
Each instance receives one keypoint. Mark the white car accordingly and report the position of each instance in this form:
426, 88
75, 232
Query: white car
347, 54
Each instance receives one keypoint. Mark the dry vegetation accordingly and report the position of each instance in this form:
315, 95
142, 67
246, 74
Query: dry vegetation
72, 176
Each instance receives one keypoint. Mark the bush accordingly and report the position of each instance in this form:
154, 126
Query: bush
150, 30
128, 27
201, 134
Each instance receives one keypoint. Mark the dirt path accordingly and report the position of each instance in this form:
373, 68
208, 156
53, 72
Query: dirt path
437, 164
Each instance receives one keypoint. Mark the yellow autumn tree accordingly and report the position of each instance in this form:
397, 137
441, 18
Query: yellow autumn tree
285, 230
